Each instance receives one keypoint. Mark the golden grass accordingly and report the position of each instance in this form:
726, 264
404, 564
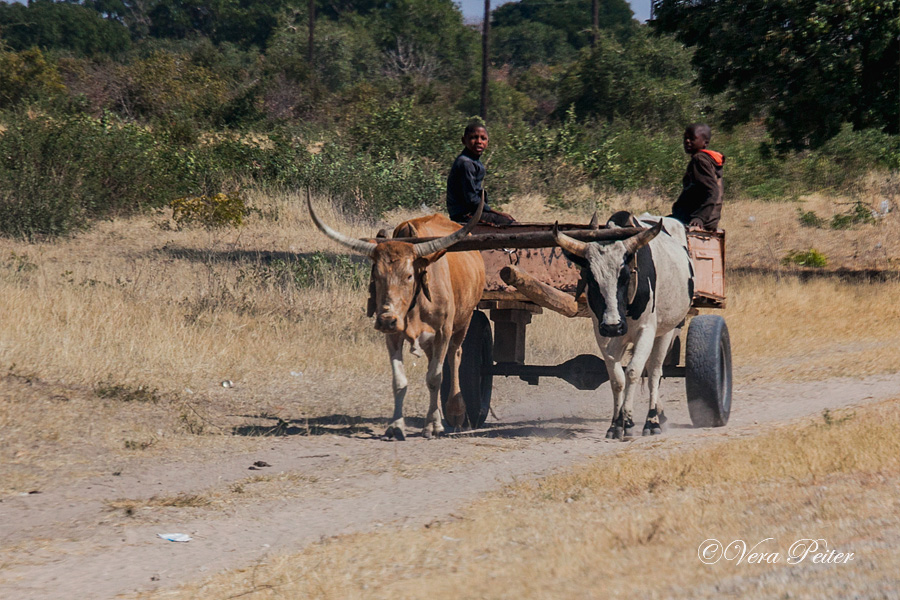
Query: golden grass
587, 532
170, 314
761, 234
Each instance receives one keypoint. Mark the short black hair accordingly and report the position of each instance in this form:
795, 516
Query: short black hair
474, 123
700, 129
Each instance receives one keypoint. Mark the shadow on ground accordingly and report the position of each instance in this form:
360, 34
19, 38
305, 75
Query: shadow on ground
347, 425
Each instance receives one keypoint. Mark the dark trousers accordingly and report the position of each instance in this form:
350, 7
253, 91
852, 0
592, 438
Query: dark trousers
487, 217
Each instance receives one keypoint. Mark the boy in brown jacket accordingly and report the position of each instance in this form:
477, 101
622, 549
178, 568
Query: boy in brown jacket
700, 203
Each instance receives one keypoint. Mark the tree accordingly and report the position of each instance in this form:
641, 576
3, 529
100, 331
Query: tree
571, 19
26, 75
807, 66
61, 26
639, 77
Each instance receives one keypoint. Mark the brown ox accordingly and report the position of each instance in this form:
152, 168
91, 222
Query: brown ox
423, 297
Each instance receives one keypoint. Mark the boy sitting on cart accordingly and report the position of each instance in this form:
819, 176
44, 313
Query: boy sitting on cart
700, 204
465, 184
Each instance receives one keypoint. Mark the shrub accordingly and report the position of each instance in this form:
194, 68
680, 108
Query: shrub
858, 213
810, 219
59, 173
27, 75
809, 258
220, 210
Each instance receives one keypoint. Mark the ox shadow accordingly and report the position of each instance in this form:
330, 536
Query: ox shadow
336, 424
347, 425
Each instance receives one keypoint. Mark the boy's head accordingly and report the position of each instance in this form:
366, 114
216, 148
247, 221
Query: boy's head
475, 137
696, 137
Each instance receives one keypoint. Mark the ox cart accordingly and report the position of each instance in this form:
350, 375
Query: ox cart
526, 273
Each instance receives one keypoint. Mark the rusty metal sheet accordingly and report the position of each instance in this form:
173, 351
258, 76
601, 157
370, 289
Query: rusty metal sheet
548, 265
707, 250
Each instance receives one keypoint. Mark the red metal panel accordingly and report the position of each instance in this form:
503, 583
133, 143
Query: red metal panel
707, 250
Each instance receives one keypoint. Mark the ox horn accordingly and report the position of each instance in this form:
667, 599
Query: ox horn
430, 247
569, 244
360, 246
639, 240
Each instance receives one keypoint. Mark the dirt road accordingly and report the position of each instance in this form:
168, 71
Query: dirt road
98, 538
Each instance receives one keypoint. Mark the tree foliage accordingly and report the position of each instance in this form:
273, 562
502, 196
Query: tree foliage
806, 65
640, 78
27, 75
533, 32
61, 26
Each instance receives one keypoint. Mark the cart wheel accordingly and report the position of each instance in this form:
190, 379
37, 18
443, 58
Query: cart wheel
476, 386
707, 379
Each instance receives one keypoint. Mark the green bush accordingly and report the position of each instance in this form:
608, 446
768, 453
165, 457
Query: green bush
364, 186
220, 210
59, 173
809, 258
857, 214
27, 75
809, 218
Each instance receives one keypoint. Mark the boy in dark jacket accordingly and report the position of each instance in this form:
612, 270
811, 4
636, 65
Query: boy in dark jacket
700, 203
465, 184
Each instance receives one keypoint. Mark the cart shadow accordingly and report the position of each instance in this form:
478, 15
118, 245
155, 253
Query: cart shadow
557, 429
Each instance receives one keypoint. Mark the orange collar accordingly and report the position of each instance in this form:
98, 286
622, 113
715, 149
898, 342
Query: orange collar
716, 156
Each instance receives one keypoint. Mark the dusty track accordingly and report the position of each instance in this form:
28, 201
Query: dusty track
69, 543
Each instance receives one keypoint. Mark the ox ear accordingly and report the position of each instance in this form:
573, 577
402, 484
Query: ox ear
427, 260
420, 265
577, 260
370, 304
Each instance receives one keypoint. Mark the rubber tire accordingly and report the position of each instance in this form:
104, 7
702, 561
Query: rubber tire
475, 385
707, 378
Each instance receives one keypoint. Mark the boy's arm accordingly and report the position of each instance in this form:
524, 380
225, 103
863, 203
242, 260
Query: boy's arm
704, 176
471, 193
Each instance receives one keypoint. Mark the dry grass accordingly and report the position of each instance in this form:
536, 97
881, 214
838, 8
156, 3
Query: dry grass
588, 532
179, 501
116, 342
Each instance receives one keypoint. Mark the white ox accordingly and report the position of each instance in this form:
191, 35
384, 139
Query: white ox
639, 291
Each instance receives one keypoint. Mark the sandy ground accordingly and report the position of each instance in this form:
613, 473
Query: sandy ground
82, 540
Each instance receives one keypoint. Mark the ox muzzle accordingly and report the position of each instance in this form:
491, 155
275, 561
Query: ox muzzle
387, 323
616, 330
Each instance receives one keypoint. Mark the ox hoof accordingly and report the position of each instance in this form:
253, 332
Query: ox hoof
432, 431
652, 429
394, 433
456, 421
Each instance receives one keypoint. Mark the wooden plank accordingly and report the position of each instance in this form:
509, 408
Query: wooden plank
543, 294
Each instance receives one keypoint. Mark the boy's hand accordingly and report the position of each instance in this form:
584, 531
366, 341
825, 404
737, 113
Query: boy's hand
696, 224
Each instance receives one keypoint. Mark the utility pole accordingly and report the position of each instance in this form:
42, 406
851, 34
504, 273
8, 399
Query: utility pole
312, 27
595, 27
485, 56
